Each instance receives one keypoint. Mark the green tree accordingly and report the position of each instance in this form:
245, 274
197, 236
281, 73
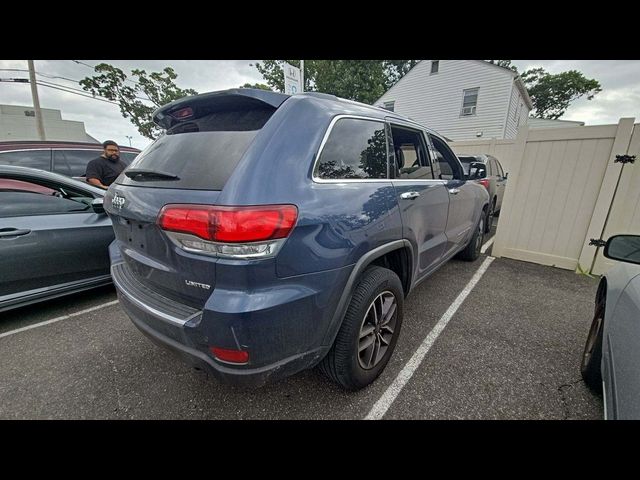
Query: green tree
361, 80
260, 86
551, 94
157, 89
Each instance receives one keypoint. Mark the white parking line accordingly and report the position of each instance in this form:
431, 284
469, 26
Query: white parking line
384, 402
487, 244
57, 319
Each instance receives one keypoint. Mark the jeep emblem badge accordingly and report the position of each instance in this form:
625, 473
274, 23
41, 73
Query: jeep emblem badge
118, 201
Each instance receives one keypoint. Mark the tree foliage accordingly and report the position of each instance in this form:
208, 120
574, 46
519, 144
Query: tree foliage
260, 86
139, 98
551, 94
361, 80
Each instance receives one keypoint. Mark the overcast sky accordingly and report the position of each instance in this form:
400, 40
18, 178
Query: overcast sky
620, 97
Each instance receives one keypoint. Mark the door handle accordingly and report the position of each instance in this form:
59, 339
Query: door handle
409, 195
454, 191
14, 232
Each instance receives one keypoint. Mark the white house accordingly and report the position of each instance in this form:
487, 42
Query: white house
461, 99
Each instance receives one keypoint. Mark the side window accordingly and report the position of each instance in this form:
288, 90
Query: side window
449, 165
27, 158
491, 171
500, 171
128, 157
355, 149
412, 160
20, 197
73, 163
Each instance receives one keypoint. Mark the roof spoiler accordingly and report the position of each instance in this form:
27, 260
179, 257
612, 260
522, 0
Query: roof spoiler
232, 99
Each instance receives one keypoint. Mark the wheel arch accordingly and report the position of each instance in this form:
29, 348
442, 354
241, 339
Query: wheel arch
393, 255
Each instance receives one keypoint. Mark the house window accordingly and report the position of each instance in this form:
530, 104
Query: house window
435, 65
389, 105
469, 101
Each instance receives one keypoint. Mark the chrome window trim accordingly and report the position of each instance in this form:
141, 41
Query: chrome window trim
386, 121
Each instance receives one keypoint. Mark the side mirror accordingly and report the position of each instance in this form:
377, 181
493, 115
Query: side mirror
477, 170
97, 205
506, 174
625, 248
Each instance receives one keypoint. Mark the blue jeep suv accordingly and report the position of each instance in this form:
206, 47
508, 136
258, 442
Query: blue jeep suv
263, 234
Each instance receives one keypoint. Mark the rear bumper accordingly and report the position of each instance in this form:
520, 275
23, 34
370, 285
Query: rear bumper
248, 377
282, 327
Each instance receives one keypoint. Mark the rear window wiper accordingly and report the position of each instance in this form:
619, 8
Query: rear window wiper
142, 174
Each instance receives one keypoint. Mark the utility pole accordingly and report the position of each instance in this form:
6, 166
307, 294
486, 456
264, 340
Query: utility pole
129, 137
36, 100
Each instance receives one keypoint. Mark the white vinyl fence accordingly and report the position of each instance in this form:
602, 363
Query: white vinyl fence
564, 188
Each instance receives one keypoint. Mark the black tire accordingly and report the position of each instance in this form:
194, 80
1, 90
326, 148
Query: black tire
345, 363
472, 251
592, 355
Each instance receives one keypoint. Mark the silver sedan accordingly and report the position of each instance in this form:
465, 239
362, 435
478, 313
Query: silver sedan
611, 359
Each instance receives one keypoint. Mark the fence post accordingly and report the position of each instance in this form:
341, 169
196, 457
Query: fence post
517, 157
605, 197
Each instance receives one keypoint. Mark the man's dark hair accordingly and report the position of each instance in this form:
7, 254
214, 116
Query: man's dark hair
109, 142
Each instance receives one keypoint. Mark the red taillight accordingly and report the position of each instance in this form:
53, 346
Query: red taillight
230, 224
484, 182
232, 356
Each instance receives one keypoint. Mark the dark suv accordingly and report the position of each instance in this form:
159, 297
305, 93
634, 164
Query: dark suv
264, 233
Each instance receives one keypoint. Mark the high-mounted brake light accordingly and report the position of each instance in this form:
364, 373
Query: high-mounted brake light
256, 231
183, 113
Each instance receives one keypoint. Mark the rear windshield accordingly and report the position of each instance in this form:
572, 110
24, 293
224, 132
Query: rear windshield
202, 153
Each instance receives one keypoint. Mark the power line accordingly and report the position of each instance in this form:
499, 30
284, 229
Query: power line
94, 68
74, 93
24, 80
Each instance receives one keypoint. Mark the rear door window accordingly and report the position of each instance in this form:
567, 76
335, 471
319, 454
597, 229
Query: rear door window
202, 153
412, 160
28, 158
73, 163
355, 148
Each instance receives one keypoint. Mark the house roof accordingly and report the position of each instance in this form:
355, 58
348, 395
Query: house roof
518, 81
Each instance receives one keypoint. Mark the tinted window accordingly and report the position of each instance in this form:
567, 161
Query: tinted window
127, 157
73, 163
355, 149
21, 198
203, 152
411, 156
27, 158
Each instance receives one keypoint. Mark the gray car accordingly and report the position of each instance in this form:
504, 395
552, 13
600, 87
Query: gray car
492, 176
611, 359
54, 236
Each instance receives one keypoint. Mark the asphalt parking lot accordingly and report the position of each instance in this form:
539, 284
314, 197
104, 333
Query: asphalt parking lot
510, 351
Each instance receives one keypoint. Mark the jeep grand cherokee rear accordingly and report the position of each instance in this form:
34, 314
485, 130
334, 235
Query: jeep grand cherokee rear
262, 234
